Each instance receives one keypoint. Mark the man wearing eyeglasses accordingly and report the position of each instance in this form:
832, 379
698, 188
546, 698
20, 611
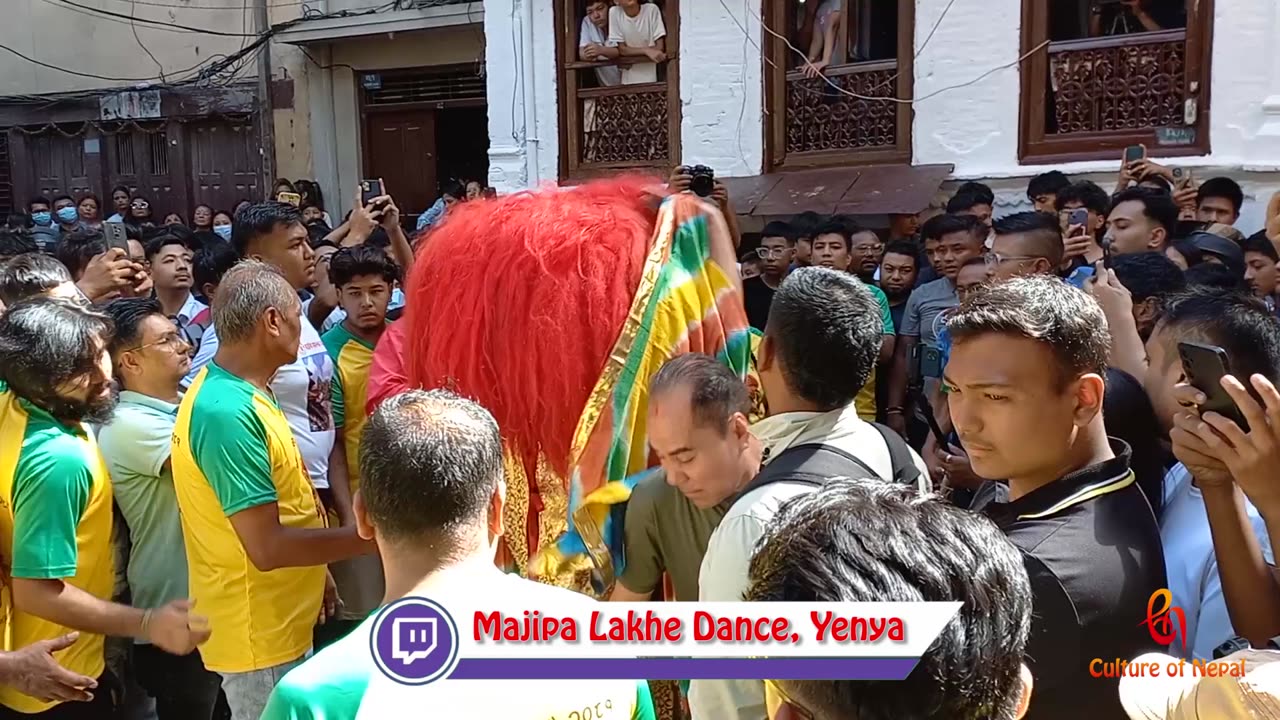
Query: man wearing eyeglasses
1027, 243
776, 252
150, 357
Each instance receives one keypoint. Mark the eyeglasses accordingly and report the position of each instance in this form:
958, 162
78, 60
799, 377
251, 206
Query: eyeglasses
799, 709
140, 204
765, 253
998, 259
171, 340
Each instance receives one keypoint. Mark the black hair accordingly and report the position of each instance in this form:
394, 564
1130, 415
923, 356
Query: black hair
40, 200
164, 239
1149, 275
210, 263
1261, 244
1041, 308
871, 541
780, 229
46, 343
806, 222
1216, 276
980, 191
352, 262
429, 463
961, 202
317, 231
261, 219
59, 198
127, 315
454, 189
30, 274
14, 242
1156, 206
715, 392
18, 220
903, 247
122, 188
842, 225
90, 196
285, 182
1188, 250
1088, 194
379, 238
1129, 415
1049, 183
825, 329
938, 226
1222, 187
76, 249
310, 192
1040, 228
1234, 321
1163, 186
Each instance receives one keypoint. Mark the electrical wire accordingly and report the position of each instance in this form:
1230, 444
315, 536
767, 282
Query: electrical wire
186, 6
120, 17
134, 27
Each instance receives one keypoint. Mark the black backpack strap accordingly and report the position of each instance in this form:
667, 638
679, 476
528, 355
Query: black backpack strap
811, 463
904, 465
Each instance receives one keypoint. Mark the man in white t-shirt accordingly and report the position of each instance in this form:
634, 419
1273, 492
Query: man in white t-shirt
431, 497
593, 39
820, 345
273, 233
636, 30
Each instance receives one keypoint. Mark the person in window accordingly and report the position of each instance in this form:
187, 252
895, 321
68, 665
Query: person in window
593, 40
823, 23
636, 30
1123, 17
451, 193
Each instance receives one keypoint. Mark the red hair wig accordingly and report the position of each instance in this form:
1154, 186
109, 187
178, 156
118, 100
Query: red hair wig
517, 302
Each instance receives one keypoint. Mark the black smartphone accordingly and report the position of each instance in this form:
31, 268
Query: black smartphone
1079, 216
116, 237
370, 189
1134, 153
1205, 366
930, 362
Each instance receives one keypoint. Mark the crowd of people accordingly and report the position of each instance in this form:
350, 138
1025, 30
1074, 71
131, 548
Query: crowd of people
990, 410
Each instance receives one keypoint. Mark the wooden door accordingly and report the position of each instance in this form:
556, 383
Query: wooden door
224, 162
139, 159
400, 148
55, 165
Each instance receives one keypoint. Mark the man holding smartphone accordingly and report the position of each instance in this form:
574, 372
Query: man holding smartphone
1083, 208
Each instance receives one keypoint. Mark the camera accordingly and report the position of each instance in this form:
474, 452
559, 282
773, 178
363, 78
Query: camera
703, 181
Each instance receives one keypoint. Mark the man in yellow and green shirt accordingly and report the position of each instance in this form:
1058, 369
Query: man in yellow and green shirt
364, 277
255, 533
55, 503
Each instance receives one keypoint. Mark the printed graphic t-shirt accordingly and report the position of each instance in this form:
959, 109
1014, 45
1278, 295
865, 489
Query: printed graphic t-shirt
55, 524
302, 391
232, 451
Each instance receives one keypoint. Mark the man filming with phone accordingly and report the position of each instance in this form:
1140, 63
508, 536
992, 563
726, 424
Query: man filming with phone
1082, 208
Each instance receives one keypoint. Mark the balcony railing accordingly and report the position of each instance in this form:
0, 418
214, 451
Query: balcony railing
821, 118
1129, 82
620, 126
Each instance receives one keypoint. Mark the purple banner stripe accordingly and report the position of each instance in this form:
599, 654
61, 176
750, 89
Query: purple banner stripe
683, 668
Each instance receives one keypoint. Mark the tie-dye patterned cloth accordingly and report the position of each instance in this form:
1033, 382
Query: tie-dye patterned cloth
689, 300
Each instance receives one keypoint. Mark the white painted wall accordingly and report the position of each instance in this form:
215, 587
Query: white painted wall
974, 127
509, 49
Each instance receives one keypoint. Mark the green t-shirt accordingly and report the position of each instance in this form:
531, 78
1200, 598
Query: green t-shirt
136, 445
330, 685
665, 533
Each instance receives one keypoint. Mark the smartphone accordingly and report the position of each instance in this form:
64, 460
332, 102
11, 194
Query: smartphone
1079, 216
1134, 153
1182, 178
370, 189
293, 199
1205, 366
116, 237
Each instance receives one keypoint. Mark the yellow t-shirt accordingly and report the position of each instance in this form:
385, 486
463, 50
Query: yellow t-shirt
233, 450
352, 357
55, 524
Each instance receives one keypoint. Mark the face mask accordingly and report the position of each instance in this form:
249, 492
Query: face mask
42, 218
68, 215
223, 231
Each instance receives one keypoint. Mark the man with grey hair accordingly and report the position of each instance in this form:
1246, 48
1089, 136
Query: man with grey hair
431, 496
254, 530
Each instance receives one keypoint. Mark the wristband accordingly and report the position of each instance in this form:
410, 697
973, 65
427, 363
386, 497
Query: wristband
146, 621
893, 411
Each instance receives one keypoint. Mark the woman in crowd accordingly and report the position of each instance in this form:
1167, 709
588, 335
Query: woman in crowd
88, 209
222, 225
140, 211
452, 192
120, 201
202, 218
174, 218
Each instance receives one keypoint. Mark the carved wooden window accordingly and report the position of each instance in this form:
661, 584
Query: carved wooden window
618, 114
839, 120
1108, 78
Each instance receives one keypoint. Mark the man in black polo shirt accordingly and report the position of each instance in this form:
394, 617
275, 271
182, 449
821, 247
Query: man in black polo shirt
1026, 387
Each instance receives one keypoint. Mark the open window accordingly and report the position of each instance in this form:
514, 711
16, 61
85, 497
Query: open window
1106, 74
831, 85
619, 109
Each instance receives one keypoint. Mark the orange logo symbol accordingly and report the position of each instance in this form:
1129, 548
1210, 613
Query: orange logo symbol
1160, 622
